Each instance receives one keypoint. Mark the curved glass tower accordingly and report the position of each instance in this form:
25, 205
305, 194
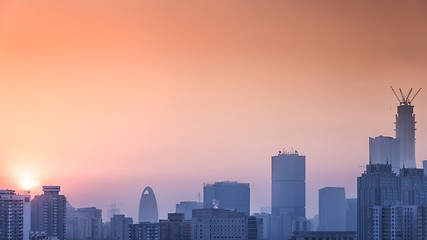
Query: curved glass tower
148, 211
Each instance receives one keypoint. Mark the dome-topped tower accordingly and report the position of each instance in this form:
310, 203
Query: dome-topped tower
148, 207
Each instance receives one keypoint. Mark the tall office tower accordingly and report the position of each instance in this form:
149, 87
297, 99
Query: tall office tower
187, 208
351, 214
227, 195
148, 211
120, 227
14, 215
88, 224
375, 187
217, 223
175, 228
393, 222
413, 186
287, 192
422, 222
144, 231
332, 209
405, 128
383, 150
48, 212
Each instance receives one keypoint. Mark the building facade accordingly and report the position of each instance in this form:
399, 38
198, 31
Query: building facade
175, 227
287, 193
119, 227
14, 215
332, 209
48, 213
148, 211
383, 150
144, 231
187, 208
227, 195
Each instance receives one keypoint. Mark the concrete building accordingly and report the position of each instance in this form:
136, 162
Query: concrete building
324, 235
48, 213
14, 215
87, 224
383, 150
175, 227
351, 215
412, 186
148, 211
287, 193
332, 209
120, 227
144, 231
394, 222
227, 195
405, 133
216, 223
187, 208
377, 185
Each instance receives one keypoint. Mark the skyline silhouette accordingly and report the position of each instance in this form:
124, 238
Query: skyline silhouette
96, 96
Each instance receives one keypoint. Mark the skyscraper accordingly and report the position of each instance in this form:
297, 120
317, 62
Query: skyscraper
287, 192
405, 128
227, 195
88, 223
48, 212
187, 207
377, 186
383, 150
120, 227
332, 209
148, 211
14, 215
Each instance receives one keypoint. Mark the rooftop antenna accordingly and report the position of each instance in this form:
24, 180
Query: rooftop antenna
415, 95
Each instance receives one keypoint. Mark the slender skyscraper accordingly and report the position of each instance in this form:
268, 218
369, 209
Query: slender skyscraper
405, 128
148, 211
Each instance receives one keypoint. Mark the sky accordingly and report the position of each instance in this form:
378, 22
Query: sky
106, 97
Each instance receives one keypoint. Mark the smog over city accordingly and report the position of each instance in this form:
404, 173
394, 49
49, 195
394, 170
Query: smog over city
283, 116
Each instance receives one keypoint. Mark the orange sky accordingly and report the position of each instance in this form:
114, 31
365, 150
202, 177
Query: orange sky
106, 97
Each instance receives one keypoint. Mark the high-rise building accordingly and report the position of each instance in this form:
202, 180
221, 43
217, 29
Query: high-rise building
227, 195
120, 227
187, 208
332, 209
412, 186
148, 211
48, 213
405, 128
144, 231
377, 186
351, 214
14, 215
88, 224
383, 150
287, 192
175, 227
217, 223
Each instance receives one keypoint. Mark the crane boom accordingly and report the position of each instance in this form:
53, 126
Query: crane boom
395, 94
415, 94
409, 94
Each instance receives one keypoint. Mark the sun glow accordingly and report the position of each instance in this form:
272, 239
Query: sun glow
27, 179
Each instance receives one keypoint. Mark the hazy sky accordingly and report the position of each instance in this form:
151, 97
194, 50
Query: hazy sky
106, 97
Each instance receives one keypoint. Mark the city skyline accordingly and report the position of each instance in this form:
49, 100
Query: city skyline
140, 94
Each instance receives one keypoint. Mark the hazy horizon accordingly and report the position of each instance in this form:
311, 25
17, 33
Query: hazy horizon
104, 98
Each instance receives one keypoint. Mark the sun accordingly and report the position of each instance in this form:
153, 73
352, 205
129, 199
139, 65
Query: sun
28, 184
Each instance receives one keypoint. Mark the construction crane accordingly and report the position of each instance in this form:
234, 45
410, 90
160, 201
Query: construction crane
405, 99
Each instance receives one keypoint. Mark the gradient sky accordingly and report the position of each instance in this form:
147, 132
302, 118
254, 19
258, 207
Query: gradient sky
106, 97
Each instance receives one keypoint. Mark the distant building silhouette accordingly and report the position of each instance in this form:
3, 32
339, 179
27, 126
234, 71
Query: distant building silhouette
175, 227
148, 211
227, 195
48, 212
187, 208
119, 227
287, 193
351, 214
332, 209
14, 215
217, 223
88, 224
144, 231
383, 150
